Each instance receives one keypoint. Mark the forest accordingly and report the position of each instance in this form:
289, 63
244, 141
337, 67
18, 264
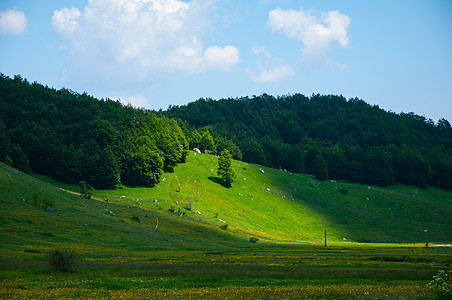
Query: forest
326, 136
75, 137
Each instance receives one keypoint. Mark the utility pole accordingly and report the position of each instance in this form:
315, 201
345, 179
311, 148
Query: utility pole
325, 239
426, 238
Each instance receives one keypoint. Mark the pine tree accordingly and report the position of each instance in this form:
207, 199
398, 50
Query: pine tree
225, 170
320, 170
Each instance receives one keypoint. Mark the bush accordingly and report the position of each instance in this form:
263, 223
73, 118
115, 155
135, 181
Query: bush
64, 260
136, 219
8, 161
343, 191
85, 189
48, 202
36, 199
440, 283
224, 226
253, 240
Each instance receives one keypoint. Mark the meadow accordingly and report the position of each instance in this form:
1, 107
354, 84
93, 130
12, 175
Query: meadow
375, 247
240, 272
275, 205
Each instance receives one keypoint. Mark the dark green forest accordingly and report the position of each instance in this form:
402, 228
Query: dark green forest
326, 136
76, 137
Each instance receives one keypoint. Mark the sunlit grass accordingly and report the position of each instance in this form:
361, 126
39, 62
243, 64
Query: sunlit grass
279, 206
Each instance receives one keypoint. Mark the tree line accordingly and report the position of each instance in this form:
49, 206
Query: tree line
327, 136
75, 137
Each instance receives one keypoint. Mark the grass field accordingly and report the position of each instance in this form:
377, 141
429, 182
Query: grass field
190, 257
240, 272
284, 207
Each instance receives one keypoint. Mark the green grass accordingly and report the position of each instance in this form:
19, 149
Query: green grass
190, 257
265, 271
87, 226
284, 207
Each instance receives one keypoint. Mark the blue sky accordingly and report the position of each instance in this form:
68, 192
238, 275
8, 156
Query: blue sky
153, 53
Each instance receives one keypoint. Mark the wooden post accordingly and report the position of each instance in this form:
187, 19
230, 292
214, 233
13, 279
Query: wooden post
325, 239
157, 225
426, 238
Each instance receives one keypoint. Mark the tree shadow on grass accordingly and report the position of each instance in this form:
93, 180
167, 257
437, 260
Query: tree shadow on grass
219, 181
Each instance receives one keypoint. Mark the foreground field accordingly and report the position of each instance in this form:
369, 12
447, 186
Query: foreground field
241, 272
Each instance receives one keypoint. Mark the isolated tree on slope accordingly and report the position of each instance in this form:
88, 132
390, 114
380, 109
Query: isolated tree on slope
225, 170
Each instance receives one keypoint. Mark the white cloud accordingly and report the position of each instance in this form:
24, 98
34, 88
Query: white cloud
124, 42
135, 100
316, 34
258, 50
270, 68
12, 22
64, 21
273, 75
222, 58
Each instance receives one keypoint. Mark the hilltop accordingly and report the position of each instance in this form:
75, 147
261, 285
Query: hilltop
327, 136
75, 137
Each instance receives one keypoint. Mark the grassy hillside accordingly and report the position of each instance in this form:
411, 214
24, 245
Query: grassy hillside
87, 226
265, 203
280, 206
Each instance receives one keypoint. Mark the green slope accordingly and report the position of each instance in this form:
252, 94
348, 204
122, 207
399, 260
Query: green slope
87, 226
280, 206
269, 204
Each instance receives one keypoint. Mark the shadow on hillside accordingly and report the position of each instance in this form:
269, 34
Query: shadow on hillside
219, 181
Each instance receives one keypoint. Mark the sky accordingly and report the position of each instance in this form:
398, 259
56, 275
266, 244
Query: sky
156, 53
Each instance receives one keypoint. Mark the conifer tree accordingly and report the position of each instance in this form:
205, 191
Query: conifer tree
320, 170
225, 170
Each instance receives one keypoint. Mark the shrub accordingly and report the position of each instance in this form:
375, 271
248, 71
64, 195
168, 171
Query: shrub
136, 219
48, 202
224, 226
8, 161
36, 199
64, 260
440, 283
343, 191
85, 189
254, 240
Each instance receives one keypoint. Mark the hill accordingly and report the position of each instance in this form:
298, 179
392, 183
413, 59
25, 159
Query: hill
265, 203
282, 206
76, 137
327, 136
95, 228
